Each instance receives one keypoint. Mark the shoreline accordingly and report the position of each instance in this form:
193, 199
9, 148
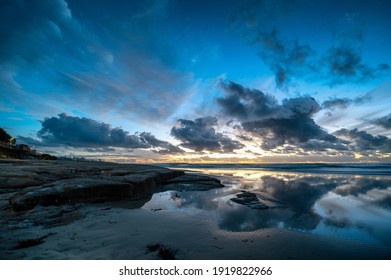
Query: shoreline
131, 228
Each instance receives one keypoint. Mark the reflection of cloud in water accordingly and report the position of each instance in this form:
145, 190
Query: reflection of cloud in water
240, 218
363, 185
354, 207
300, 194
384, 202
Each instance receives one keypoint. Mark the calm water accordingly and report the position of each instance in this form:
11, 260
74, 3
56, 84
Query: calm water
346, 201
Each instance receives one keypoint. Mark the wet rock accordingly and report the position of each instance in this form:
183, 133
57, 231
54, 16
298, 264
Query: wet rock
190, 182
186, 178
250, 200
63, 182
89, 189
47, 183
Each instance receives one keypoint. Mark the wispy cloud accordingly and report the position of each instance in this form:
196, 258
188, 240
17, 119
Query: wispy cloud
71, 55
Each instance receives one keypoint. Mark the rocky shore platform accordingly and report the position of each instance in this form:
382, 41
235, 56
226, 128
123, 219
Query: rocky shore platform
45, 194
47, 183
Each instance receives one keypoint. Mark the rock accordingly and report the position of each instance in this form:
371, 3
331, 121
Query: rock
49, 183
250, 200
192, 182
90, 189
186, 178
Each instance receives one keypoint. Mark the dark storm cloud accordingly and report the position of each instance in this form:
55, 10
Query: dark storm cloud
289, 58
277, 132
244, 103
384, 122
363, 142
108, 57
200, 135
94, 136
277, 124
79, 132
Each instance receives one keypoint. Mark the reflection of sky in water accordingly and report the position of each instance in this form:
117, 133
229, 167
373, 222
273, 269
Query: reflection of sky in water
347, 206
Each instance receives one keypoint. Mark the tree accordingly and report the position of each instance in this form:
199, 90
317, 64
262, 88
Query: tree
4, 136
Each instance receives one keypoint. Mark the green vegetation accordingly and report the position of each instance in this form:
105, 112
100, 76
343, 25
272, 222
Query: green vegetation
4, 136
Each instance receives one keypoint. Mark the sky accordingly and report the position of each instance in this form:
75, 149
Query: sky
150, 81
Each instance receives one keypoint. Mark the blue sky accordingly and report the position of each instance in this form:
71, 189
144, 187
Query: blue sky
159, 81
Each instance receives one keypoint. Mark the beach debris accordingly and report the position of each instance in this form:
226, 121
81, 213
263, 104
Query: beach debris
164, 252
250, 200
26, 243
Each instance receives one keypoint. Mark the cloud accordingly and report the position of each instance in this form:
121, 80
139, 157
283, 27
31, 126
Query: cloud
276, 124
344, 64
284, 59
72, 55
244, 103
94, 136
100, 150
343, 103
384, 122
332, 103
363, 142
289, 126
200, 135
161, 147
262, 27
84, 132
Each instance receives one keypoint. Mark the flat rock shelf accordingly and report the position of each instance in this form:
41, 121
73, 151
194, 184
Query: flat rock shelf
47, 183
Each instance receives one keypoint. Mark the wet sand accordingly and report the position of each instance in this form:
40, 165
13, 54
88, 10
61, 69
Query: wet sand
110, 232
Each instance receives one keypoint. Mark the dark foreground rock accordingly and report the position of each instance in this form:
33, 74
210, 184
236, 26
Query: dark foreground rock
47, 183
250, 200
190, 182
